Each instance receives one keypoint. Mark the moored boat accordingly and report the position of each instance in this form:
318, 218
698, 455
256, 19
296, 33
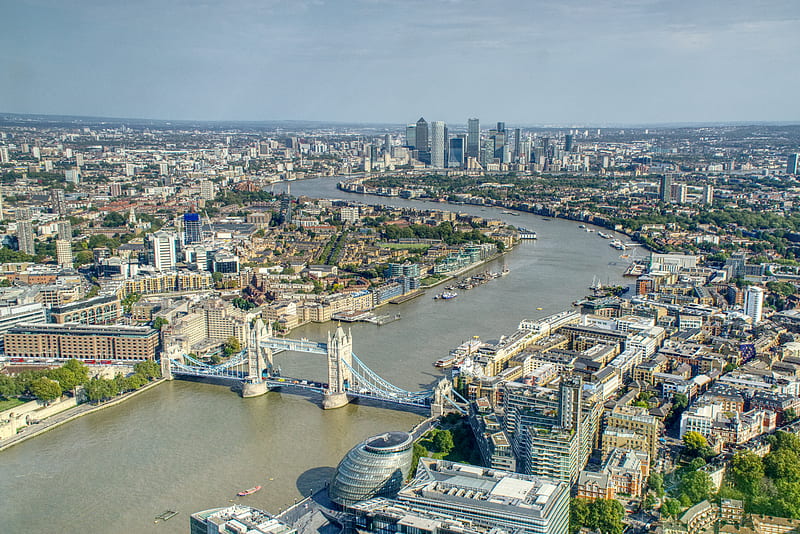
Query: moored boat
249, 491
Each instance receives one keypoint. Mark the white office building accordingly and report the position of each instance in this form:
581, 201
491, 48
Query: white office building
753, 303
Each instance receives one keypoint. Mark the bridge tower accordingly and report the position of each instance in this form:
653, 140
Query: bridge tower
441, 393
340, 360
171, 352
254, 384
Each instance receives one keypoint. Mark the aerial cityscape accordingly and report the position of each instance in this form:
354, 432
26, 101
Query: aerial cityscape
367, 304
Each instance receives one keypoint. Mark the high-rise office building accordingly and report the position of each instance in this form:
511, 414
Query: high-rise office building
192, 228
64, 230
569, 142
665, 189
455, 151
411, 136
517, 144
207, 190
753, 303
792, 163
64, 253
708, 194
501, 127
25, 231
499, 137
679, 193
438, 137
473, 138
422, 141
552, 430
58, 202
487, 154
163, 250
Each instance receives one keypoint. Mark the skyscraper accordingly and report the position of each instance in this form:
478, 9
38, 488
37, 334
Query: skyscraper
422, 142
473, 138
455, 152
753, 303
438, 137
64, 230
163, 250
64, 253
569, 141
499, 137
501, 127
58, 202
192, 228
679, 192
411, 136
708, 194
665, 191
517, 144
207, 190
792, 163
25, 231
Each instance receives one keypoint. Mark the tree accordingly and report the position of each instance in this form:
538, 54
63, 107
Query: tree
671, 507
9, 386
99, 389
696, 486
159, 323
607, 516
232, 346
679, 402
66, 378
419, 452
129, 301
696, 444
578, 514
114, 219
443, 441
782, 463
747, 470
656, 483
45, 389
148, 369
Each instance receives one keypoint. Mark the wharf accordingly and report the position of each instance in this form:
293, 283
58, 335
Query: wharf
634, 269
365, 317
408, 296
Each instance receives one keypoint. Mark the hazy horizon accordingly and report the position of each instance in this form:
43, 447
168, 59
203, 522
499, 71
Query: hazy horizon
573, 63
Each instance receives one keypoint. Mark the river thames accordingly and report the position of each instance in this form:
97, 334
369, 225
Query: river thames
188, 446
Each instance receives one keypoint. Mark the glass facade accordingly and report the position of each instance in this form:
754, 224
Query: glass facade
376, 467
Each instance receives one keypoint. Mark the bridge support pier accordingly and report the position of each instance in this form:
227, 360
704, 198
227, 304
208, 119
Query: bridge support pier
254, 389
334, 400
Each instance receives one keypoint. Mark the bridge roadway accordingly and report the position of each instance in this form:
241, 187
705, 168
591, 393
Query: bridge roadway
321, 387
307, 385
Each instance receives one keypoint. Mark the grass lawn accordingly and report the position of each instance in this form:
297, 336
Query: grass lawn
430, 280
465, 450
7, 404
405, 246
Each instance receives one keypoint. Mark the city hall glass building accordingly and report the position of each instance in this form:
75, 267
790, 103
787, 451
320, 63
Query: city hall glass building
376, 467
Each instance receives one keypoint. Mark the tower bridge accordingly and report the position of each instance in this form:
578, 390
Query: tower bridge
348, 376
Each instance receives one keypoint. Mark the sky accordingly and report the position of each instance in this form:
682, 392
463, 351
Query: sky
525, 62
